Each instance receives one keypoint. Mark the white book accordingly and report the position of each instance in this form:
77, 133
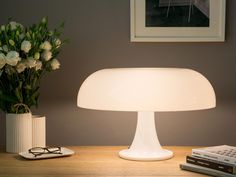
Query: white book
204, 170
222, 153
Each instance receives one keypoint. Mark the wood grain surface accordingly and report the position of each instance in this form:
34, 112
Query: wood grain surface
94, 161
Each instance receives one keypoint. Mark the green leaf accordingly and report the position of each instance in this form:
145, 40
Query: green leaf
28, 87
18, 92
7, 98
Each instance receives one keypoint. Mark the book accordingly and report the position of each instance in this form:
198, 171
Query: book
216, 165
222, 153
204, 170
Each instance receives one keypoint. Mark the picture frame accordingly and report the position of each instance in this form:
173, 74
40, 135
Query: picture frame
214, 32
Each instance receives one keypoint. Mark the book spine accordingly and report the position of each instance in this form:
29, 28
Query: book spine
203, 170
210, 164
208, 155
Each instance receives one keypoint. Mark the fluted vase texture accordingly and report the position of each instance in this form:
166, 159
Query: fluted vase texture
38, 131
18, 132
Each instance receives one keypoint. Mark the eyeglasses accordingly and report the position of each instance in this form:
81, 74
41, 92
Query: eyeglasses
38, 151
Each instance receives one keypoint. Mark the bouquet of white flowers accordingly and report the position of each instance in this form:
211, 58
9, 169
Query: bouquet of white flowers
26, 54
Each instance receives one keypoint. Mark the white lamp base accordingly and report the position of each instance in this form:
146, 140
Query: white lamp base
145, 146
162, 154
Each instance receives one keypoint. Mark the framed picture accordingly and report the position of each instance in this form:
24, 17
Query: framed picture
178, 20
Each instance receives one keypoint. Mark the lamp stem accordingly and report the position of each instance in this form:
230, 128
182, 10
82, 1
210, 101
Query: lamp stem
145, 138
145, 145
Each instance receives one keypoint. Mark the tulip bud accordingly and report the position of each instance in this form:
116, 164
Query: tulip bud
3, 27
11, 42
44, 20
28, 34
50, 33
37, 55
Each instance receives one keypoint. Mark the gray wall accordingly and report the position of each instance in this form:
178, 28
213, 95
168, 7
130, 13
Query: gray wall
99, 33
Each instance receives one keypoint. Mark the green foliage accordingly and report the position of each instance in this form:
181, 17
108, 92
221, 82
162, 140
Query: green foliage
26, 54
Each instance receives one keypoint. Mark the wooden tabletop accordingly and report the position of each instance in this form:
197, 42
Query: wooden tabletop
95, 161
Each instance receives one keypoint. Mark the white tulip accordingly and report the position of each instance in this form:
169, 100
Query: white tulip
46, 55
12, 58
55, 64
22, 35
3, 27
46, 46
57, 43
5, 48
26, 46
14, 25
20, 67
38, 65
30, 62
2, 60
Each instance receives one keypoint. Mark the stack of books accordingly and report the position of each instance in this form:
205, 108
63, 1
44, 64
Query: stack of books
215, 161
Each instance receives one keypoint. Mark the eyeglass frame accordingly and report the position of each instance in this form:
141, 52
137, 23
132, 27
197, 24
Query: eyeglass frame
46, 150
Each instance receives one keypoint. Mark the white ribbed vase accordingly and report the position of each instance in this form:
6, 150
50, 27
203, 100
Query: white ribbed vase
18, 132
38, 131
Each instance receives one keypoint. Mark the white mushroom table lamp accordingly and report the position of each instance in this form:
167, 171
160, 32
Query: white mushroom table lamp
146, 90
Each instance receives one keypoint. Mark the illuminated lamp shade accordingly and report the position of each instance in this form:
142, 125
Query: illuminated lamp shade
146, 90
